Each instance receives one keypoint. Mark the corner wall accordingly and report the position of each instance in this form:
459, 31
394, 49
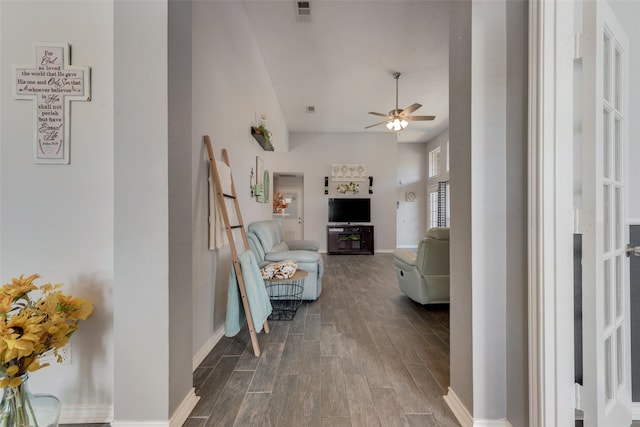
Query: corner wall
517, 328
489, 358
141, 214
57, 220
180, 206
231, 87
461, 355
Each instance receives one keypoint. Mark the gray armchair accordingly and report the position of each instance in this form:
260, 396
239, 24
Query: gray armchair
424, 276
267, 243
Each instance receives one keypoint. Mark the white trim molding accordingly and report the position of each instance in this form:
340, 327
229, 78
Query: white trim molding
635, 411
207, 347
464, 417
459, 410
140, 424
491, 423
177, 419
551, 394
86, 414
181, 414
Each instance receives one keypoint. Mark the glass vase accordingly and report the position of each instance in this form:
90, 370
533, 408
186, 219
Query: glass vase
20, 408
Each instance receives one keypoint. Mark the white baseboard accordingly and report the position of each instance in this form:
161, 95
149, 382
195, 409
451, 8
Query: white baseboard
207, 347
178, 418
103, 414
139, 423
635, 411
377, 251
86, 414
459, 410
464, 417
491, 423
182, 413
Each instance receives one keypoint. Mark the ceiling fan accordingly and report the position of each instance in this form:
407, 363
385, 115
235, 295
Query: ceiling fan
399, 119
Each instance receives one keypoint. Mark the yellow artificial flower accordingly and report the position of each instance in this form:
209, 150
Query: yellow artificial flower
32, 327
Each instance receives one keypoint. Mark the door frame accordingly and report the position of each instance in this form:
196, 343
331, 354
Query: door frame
300, 218
551, 215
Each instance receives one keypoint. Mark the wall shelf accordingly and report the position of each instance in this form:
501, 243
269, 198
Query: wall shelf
264, 143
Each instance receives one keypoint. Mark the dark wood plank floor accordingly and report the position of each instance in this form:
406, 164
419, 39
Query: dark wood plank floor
361, 355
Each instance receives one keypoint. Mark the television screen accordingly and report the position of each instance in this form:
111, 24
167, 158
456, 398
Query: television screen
350, 210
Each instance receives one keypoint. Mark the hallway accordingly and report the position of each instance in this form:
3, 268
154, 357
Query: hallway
363, 354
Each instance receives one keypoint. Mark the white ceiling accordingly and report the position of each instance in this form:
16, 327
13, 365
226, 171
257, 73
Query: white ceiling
342, 59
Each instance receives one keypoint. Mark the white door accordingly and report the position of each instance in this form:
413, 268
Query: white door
292, 220
606, 396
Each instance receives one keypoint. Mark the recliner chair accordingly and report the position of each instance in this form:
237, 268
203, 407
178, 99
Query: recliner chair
267, 243
424, 276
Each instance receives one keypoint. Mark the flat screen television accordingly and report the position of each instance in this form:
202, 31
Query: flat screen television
349, 210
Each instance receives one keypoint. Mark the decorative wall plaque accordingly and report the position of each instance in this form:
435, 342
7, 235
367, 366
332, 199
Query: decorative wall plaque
348, 172
53, 83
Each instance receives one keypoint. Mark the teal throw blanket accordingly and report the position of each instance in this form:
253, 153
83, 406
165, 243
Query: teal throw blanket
256, 292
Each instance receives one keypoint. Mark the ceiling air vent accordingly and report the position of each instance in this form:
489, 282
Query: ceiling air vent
303, 11
310, 109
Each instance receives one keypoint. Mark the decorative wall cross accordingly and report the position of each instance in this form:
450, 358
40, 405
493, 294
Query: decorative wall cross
53, 83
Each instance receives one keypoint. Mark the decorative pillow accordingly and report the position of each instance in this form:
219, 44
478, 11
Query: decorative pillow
279, 270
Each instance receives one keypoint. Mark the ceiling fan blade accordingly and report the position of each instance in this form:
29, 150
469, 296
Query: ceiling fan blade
375, 124
419, 118
410, 109
378, 114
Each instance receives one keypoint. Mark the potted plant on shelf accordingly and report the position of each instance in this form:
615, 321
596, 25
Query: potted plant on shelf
262, 135
353, 238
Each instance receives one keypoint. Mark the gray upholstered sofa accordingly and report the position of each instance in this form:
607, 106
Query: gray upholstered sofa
424, 276
268, 245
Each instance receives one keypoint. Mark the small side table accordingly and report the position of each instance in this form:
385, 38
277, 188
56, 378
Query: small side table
285, 295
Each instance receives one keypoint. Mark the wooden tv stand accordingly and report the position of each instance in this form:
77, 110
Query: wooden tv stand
348, 239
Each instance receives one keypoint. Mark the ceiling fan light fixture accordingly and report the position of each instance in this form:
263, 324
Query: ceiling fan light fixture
398, 119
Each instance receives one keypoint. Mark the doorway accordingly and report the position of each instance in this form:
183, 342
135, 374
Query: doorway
291, 186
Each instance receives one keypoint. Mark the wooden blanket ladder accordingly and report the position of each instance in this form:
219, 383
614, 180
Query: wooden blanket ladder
220, 197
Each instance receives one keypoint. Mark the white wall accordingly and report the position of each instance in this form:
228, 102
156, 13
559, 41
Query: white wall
57, 220
411, 176
314, 153
517, 330
141, 214
101, 224
180, 206
230, 88
489, 215
461, 346
488, 206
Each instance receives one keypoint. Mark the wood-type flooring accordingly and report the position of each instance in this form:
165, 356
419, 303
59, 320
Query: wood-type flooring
363, 354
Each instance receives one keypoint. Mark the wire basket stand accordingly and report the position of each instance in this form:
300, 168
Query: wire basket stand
285, 295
